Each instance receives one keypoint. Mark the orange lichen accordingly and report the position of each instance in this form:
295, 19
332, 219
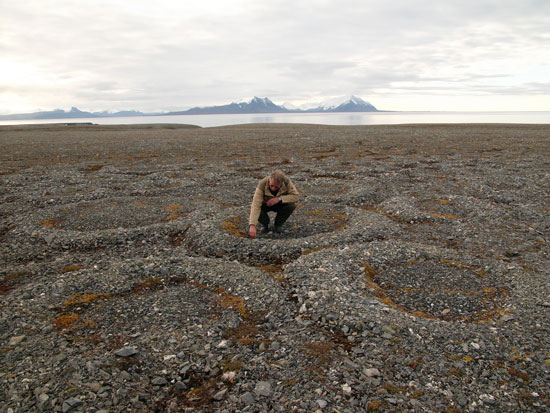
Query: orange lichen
312, 250
375, 405
315, 212
339, 220
87, 298
70, 268
321, 350
231, 301
51, 223
66, 321
234, 227
274, 271
8, 283
148, 284
175, 212
461, 266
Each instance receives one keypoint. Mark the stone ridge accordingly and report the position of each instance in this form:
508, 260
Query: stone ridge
413, 276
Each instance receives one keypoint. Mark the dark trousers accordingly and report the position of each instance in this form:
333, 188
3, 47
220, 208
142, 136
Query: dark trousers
283, 212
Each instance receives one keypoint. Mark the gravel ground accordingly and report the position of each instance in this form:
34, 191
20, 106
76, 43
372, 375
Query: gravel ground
413, 276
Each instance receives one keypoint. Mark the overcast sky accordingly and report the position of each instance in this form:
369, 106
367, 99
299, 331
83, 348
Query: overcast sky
167, 55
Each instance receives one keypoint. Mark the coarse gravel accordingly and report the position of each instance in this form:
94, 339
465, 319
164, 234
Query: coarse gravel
413, 275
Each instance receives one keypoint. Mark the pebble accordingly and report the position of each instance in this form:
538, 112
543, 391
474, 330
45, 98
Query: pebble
371, 372
263, 388
248, 398
14, 341
126, 352
71, 404
322, 403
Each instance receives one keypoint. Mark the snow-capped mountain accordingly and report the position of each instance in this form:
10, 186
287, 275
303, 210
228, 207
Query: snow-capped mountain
338, 104
255, 105
346, 104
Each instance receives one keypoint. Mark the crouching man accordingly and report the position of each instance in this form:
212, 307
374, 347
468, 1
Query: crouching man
274, 193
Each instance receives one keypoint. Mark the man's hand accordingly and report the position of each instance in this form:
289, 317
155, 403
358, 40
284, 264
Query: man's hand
252, 231
272, 201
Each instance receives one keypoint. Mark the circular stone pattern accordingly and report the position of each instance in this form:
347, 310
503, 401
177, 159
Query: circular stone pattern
306, 221
224, 232
96, 224
436, 283
116, 213
359, 283
439, 288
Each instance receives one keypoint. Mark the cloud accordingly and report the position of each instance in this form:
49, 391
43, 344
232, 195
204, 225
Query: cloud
171, 55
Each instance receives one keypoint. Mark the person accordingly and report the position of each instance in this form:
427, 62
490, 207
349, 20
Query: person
276, 193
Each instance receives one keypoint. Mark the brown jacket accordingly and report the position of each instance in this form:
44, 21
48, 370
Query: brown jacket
287, 191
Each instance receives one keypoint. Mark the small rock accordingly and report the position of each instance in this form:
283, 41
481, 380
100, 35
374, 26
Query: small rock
71, 404
124, 375
180, 386
275, 346
16, 340
263, 388
126, 352
95, 387
322, 403
220, 395
487, 398
374, 372
159, 381
248, 398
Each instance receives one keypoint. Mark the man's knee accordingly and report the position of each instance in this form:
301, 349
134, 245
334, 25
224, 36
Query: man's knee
287, 209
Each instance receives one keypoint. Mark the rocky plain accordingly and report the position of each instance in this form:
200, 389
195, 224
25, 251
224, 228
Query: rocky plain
414, 274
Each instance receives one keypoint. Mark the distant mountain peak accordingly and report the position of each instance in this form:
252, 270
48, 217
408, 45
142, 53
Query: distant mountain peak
257, 99
255, 105
336, 102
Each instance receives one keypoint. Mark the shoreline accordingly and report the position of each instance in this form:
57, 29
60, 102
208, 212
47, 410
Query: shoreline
329, 118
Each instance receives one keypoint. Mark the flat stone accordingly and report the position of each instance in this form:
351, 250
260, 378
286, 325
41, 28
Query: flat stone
248, 398
220, 395
159, 381
263, 388
126, 352
16, 340
70, 404
374, 372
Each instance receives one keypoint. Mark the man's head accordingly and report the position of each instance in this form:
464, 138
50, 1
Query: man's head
275, 180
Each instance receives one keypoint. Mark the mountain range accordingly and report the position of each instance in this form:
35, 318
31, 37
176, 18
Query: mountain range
256, 105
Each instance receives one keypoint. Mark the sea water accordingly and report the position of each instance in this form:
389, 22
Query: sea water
337, 118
